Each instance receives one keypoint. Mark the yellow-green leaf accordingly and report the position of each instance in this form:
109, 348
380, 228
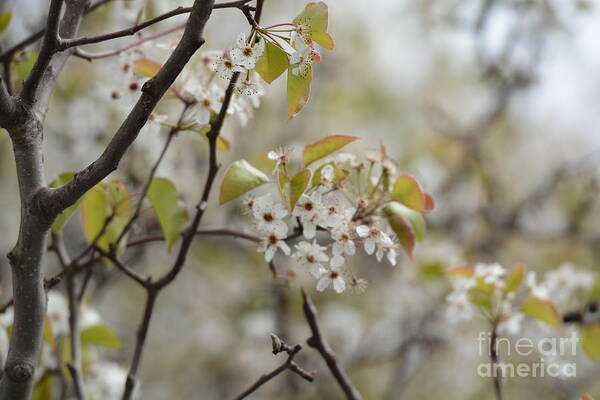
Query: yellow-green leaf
273, 62
146, 67
414, 217
322, 38
100, 335
24, 64
408, 191
4, 21
542, 310
338, 174
64, 216
298, 185
240, 178
480, 297
405, 232
43, 388
171, 214
103, 202
314, 17
324, 147
48, 334
282, 184
514, 279
590, 340
298, 91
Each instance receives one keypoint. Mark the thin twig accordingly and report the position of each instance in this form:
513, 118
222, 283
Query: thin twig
7, 55
496, 371
68, 43
289, 364
319, 343
217, 231
153, 170
74, 365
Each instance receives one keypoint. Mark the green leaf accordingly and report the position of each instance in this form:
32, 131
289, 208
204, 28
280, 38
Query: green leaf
43, 388
408, 191
414, 217
542, 310
100, 335
146, 67
104, 201
405, 232
338, 174
3, 132
298, 185
480, 297
5, 21
48, 334
590, 340
324, 147
514, 279
171, 214
298, 91
240, 177
24, 64
223, 144
314, 16
282, 184
64, 216
322, 38
273, 62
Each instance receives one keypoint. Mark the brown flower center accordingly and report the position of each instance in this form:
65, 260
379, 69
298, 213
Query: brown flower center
268, 217
310, 258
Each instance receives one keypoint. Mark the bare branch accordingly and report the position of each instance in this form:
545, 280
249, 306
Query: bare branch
289, 364
153, 170
49, 47
7, 105
152, 92
319, 343
218, 231
143, 281
68, 43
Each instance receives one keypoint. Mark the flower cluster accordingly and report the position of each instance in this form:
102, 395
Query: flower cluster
329, 211
504, 297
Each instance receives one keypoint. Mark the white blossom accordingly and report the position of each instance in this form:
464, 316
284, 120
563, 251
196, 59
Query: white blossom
332, 277
309, 209
491, 274
303, 57
269, 215
372, 237
206, 102
245, 55
225, 67
270, 244
311, 256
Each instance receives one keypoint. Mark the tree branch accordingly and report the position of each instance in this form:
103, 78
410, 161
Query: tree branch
278, 347
7, 105
318, 342
68, 43
49, 47
218, 231
152, 91
7, 55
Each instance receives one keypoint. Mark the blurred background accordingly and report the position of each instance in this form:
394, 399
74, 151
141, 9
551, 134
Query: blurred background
491, 104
